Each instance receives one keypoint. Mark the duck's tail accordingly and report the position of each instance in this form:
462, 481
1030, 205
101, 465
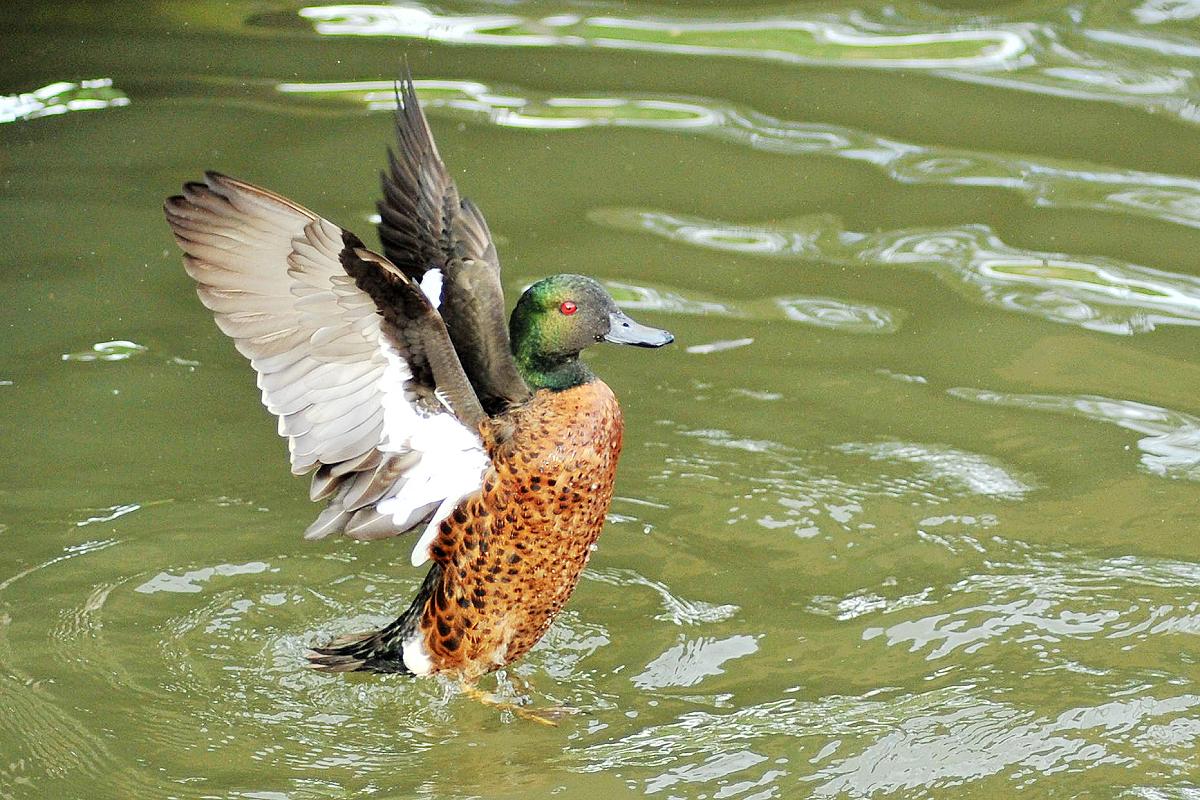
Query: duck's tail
397, 648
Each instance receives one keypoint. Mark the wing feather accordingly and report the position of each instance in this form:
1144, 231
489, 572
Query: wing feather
425, 224
272, 274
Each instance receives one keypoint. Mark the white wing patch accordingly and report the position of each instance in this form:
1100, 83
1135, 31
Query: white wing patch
431, 286
415, 656
450, 464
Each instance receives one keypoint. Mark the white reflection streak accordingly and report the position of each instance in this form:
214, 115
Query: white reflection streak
414, 21
994, 48
989, 737
828, 312
68, 553
1004, 45
1171, 442
519, 112
1120, 66
692, 660
1049, 184
60, 98
1098, 294
976, 474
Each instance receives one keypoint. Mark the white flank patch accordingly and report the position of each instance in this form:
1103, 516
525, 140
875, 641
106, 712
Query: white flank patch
452, 458
415, 657
431, 285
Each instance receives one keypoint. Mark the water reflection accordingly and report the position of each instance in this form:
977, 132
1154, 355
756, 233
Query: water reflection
1038, 603
1049, 183
974, 473
648, 298
119, 350
845, 316
828, 312
59, 98
806, 41
718, 346
1171, 442
902, 742
1079, 52
992, 737
1154, 12
1099, 294
692, 660
1066, 611
677, 610
786, 493
191, 581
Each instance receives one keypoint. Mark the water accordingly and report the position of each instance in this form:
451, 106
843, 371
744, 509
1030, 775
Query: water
908, 511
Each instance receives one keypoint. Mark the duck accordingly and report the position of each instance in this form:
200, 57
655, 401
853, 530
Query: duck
398, 384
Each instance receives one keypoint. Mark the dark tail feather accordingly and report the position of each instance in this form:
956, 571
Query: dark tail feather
381, 650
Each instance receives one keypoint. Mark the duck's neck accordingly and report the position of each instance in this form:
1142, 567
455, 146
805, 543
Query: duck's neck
543, 348
545, 372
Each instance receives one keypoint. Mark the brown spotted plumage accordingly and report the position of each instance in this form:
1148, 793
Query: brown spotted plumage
396, 380
511, 555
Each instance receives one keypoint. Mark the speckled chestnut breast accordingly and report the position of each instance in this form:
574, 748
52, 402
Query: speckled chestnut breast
512, 553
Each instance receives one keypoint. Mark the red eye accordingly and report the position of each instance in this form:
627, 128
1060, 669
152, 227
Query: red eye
568, 308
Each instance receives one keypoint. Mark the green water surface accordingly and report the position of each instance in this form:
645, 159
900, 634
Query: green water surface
909, 509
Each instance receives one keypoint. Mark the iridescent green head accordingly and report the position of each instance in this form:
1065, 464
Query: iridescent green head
558, 317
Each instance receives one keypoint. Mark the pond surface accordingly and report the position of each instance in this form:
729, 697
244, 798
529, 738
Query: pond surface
909, 510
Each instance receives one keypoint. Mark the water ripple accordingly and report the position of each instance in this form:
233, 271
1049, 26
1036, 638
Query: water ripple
692, 660
1080, 51
845, 316
788, 39
1171, 443
678, 610
828, 312
973, 473
891, 742
1043, 182
60, 98
119, 350
1040, 602
785, 492
1096, 293
989, 738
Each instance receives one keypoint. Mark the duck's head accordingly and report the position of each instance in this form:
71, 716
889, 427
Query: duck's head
558, 317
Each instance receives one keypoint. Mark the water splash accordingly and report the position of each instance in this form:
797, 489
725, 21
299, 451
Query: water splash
1100, 294
1171, 443
59, 98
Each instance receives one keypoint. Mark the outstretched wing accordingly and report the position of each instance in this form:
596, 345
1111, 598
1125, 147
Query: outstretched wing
370, 396
425, 226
